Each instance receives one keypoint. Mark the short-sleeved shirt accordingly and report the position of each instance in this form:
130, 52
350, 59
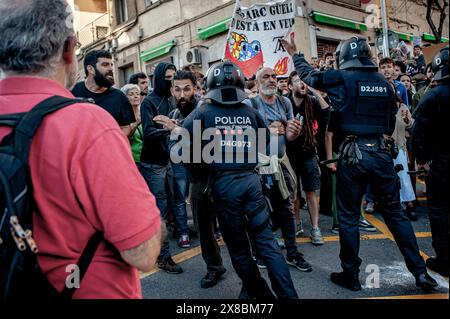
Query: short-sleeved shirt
84, 180
279, 111
114, 101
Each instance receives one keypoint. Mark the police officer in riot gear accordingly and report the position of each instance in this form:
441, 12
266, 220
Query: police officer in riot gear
234, 183
430, 146
364, 103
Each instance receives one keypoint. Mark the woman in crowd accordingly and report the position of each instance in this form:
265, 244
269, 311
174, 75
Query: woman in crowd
133, 93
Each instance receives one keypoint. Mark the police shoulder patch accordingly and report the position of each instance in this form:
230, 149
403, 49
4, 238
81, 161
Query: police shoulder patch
376, 89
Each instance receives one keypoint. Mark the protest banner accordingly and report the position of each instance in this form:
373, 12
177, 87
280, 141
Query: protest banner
254, 38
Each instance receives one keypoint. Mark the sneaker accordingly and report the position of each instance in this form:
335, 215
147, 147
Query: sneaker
169, 266
364, 225
370, 208
260, 263
316, 236
279, 240
300, 230
347, 281
299, 262
211, 278
305, 204
426, 282
335, 229
436, 265
183, 242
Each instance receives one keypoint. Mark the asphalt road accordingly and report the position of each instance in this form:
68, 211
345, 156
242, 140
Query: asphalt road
383, 271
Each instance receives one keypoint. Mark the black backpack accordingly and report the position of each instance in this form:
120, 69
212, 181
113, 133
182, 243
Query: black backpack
20, 276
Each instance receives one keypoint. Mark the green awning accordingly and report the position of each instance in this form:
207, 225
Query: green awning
337, 21
213, 29
431, 38
157, 51
404, 36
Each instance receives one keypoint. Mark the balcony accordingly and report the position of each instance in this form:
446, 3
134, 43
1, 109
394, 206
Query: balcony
94, 31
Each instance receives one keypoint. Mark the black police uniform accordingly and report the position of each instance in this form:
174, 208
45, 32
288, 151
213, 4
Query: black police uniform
430, 145
237, 192
364, 103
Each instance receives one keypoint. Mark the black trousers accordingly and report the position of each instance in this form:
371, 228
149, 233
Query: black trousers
242, 212
377, 167
438, 208
203, 213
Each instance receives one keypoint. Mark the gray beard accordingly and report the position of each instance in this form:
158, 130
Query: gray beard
269, 92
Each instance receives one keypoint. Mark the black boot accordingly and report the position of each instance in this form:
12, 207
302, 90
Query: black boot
211, 278
426, 282
346, 280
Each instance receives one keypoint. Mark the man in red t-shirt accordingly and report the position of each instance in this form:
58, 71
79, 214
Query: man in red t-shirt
83, 174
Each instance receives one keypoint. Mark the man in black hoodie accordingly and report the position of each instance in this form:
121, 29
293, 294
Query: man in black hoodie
155, 156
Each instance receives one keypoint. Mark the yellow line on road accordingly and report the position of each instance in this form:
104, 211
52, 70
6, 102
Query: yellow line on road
336, 238
424, 234
380, 226
179, 258
428, 296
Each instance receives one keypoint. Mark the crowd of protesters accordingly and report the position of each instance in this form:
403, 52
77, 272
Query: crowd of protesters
148, 117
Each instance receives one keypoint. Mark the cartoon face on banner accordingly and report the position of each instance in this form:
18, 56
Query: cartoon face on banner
247, 55
254, 38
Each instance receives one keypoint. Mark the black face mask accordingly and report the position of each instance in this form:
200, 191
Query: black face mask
101, 80
167, 86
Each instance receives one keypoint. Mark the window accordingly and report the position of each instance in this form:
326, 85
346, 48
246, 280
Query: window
121, 11
125, 72
150, 2
324, 46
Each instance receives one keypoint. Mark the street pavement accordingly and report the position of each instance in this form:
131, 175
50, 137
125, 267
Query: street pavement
383, 271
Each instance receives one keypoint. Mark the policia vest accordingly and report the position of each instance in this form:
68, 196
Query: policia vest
230, 137
369, 100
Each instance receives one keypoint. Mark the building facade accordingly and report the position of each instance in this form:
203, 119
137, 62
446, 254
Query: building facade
143, 33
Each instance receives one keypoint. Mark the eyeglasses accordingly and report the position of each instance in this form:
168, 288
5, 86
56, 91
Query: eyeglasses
266, 76
297, 82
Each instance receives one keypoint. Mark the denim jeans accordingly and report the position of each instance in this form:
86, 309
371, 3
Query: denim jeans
155, 176
180, 188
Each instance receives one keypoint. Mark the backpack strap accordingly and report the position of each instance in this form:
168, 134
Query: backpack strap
10, 120
84, 261
28, 124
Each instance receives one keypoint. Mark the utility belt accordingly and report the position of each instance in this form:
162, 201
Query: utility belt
350, 152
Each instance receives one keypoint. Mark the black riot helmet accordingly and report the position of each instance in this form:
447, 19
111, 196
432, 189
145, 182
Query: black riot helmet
440, 64
225, 84
354, 53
